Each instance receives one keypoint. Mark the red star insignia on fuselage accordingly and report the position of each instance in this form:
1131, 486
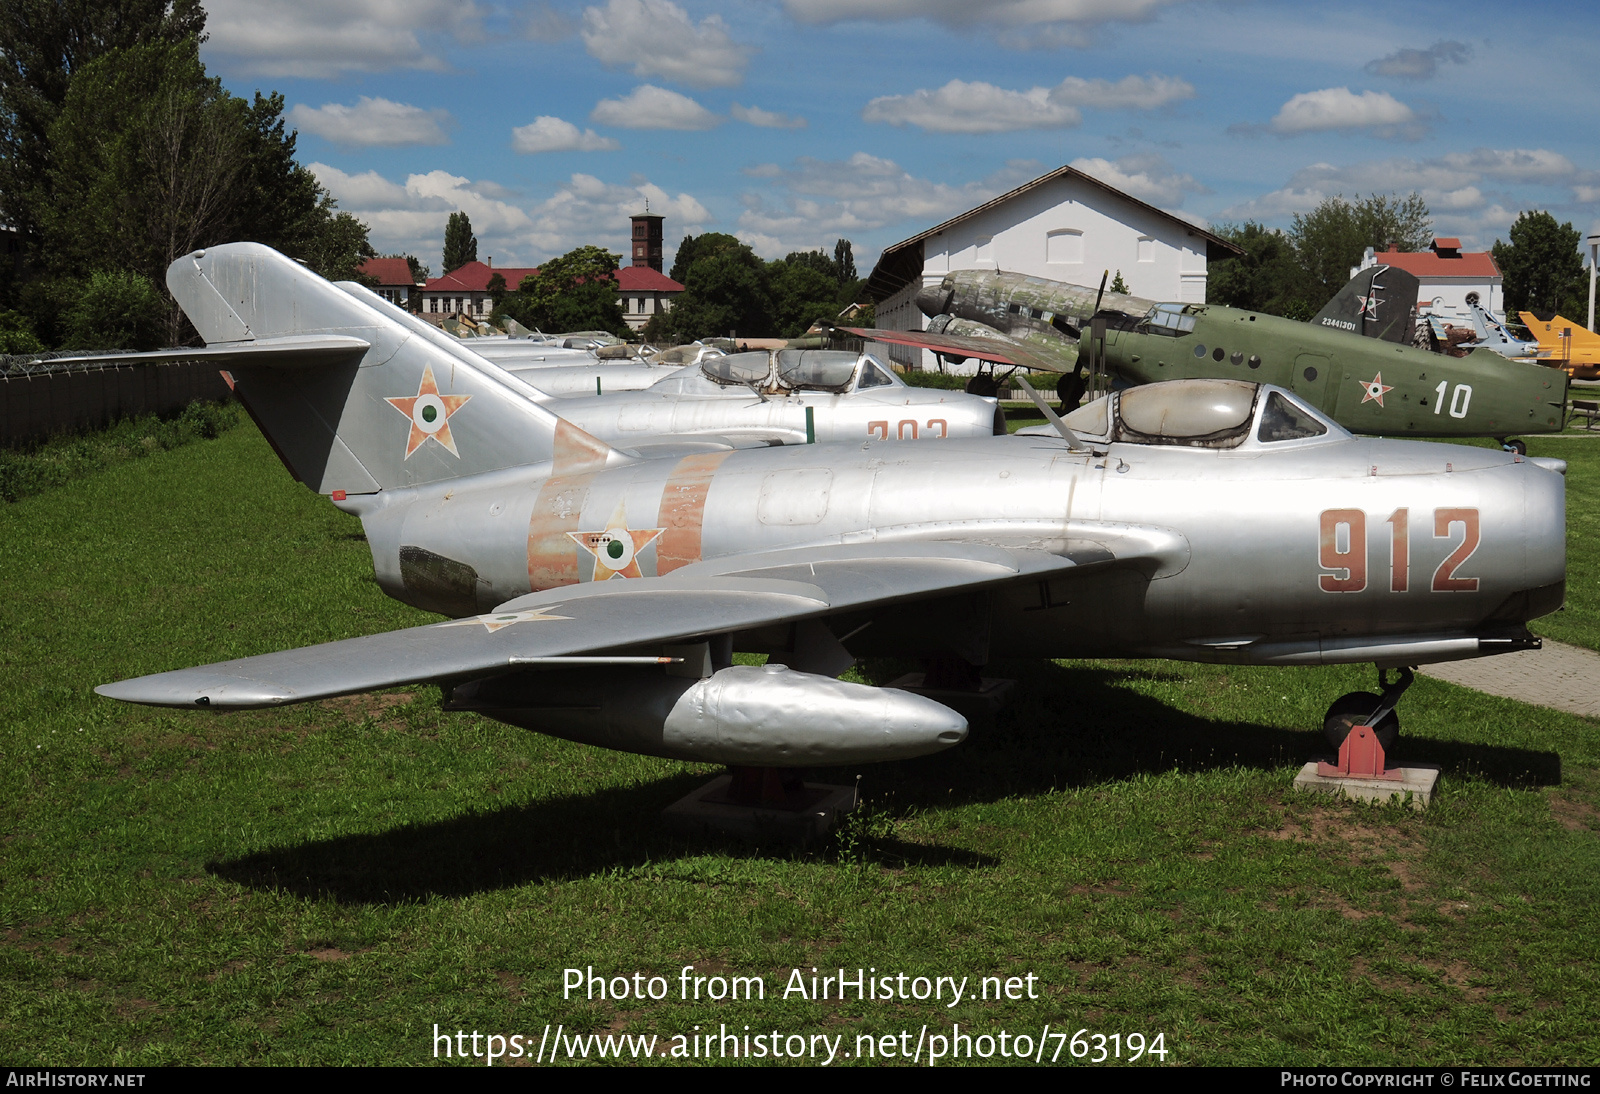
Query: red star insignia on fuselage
429, 414
616, 550
1369, 305
1374, 389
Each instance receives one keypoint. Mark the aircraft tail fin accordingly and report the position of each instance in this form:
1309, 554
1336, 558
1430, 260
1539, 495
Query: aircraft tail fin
1559, 334
395, 410
1377, 303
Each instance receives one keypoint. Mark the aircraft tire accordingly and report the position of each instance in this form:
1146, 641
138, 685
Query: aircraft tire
1069, 391
1347, 712
983, 385
1519, 446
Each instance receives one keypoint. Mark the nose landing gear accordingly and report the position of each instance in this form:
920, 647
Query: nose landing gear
1516, 446
1362, 708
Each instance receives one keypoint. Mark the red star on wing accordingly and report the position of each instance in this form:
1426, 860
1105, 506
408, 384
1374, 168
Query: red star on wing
1374, 389
429, 414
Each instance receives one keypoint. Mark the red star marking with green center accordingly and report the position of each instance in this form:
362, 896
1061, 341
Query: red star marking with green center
1374, 389
429, 414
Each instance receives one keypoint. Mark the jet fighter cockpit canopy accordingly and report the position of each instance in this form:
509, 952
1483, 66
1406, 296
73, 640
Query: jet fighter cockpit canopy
788, 370
1195, 413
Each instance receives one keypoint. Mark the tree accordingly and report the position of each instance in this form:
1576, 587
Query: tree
1330, 240
577, 291
725, 289
16, 334
44, 44
1119, 285
1266, 278
150, 159
1542, 266
460, 245
803, 292
117, 310
844, 262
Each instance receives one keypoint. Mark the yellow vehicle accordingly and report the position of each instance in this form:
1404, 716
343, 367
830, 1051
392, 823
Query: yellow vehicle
1565, 345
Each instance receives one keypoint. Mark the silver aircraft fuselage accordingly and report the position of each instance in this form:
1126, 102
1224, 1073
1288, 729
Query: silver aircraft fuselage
1327, 549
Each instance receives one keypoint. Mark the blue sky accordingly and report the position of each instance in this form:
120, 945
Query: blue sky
791, 123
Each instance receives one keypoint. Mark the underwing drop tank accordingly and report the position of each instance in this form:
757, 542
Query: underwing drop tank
770, 716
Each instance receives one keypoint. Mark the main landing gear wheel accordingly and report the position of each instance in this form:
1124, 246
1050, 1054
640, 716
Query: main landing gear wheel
983, 385
1520, 447
1362, 708
1353, 709
1069, 390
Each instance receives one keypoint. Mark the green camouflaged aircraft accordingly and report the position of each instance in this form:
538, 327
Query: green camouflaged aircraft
1370, 384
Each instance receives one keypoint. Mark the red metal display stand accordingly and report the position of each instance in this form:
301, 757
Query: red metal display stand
1360, 756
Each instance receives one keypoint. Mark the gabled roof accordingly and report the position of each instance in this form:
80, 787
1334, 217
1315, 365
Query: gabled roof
475, 276
1424, 264
645, 279
389, 271
901, 263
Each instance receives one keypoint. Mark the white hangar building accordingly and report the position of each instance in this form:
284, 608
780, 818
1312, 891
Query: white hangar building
1066, 226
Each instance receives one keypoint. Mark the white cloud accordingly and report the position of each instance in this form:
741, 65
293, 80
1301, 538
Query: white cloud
1019, 24
961, 107
1146, 176
656, 38
821, 200
547, 134
324, 38
1341, 108
651, 107
1465, 191
1420, 64
754, 115
543, 23
373, 122
1514, 164
411, 218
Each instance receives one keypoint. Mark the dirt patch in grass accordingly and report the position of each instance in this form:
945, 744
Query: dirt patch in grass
328, 953
1574, 815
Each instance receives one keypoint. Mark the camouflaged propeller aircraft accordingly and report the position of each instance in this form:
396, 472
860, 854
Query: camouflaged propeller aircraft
1369, 385
599, 596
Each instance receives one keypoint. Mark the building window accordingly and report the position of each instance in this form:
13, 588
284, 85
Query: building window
1065, 245
983, 251
1147, 249
433, 304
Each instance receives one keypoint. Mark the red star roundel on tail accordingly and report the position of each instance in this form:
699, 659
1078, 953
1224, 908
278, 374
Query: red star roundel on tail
1374, 389
429, 414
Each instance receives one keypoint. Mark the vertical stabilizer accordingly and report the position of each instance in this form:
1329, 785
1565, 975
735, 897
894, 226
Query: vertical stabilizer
402, 412
1377, 303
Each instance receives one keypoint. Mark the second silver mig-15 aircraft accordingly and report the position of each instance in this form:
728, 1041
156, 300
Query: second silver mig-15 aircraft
599, 596
703, 399
1367, 384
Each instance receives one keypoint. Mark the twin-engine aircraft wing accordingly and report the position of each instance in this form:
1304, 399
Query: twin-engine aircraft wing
706, 598
999, 349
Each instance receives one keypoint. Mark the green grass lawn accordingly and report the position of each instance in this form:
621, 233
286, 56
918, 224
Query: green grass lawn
324, 884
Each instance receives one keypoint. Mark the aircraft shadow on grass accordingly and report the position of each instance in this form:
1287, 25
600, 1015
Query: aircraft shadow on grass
1068, 727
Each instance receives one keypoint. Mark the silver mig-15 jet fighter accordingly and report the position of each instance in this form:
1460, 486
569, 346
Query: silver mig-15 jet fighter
599, 596
700, 398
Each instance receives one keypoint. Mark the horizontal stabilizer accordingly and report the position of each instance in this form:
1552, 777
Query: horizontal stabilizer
296, 351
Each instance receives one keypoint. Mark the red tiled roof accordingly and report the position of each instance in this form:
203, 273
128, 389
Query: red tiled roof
474, 277
1428, 264
1446, 243
389, 271
645, 279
